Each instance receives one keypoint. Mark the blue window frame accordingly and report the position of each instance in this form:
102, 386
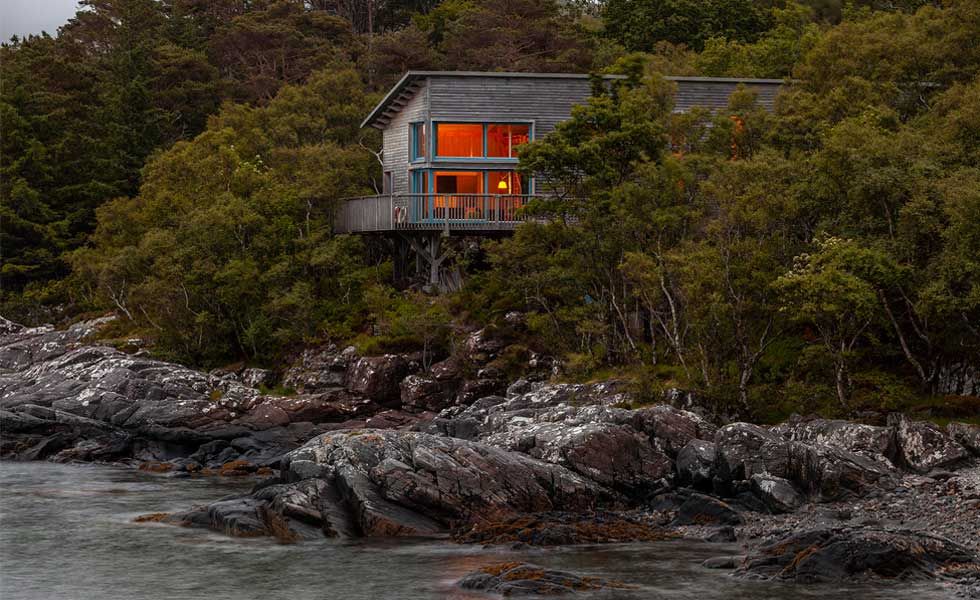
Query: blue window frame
496, 140
418, 144
430, 197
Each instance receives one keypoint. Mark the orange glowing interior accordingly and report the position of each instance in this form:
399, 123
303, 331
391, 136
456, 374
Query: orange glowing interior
505, 182
459, 140
503, 140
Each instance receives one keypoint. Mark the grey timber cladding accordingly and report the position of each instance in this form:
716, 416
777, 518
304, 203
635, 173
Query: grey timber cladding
714, 94
543, 101
395, 138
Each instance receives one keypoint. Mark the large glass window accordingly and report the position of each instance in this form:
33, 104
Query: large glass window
506, 183
503, 140
459, 140
419, 141
459, 182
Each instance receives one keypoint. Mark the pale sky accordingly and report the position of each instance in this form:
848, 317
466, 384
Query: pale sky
20, 17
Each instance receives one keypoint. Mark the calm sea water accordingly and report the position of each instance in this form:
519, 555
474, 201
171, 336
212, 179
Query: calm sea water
66, 532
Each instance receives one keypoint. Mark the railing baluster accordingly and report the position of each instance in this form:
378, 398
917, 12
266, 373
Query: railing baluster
430, 211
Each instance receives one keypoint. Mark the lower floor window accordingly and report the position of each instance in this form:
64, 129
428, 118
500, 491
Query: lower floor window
466, 195
459, 182
469, 182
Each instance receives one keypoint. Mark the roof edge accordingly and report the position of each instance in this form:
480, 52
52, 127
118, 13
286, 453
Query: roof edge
411, 76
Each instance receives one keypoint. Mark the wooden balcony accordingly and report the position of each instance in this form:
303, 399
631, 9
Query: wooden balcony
470, 213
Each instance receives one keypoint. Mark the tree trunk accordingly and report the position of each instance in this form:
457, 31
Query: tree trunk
841, 380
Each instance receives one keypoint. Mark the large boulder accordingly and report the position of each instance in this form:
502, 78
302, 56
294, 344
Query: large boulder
739, 447
582, 427
329, 406
527, 403
671, 428
378, 377
921, 447
419, 392
778, 494
696, 464
62, 398
319, 369
615, 456
967, 435
841, 555
823, 471
699, 509
397, 483
854, 437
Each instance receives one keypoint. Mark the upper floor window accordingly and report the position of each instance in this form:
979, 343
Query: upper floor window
419, 143
503, 140
459, 140
480, 140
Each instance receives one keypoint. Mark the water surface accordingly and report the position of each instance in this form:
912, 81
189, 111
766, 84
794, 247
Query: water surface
66, 532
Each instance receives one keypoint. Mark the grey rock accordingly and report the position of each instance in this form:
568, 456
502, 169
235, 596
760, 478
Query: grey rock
968, 436
699, 509
474, 389
615, 456
401, 483
696, 464
722, 534
921, 447
853, 437
378, 377
255, 378
671, 428
739, 447
822, 471
521, 579
841, 555
426, 393
319, 369
776, 493
55, 382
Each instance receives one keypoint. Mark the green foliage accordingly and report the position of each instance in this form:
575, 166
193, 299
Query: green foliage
406, 322
638, 24
227, 250
822, 258
773, 54
177, 162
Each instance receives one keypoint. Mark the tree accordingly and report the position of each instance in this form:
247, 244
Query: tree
227, 251
833, 289
639, 24
516, 35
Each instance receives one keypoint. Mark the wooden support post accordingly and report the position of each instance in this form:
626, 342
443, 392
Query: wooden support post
429, 250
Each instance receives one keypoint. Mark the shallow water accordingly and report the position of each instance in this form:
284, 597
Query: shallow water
66, 532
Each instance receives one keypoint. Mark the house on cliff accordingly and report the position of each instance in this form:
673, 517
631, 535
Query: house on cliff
450, 146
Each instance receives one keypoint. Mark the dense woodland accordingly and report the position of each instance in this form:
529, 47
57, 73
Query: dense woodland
176, 161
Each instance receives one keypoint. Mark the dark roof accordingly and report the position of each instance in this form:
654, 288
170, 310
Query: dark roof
409, 84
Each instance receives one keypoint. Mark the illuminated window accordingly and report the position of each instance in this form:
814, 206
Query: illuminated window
459, 182
503, 140
419, 141
506, 183
459, 140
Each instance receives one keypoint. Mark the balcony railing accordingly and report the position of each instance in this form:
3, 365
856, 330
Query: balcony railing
391, 212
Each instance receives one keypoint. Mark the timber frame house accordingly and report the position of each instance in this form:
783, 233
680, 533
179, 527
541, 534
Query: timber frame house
449, 151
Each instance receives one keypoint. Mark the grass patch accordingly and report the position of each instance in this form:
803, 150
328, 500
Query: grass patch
276, 390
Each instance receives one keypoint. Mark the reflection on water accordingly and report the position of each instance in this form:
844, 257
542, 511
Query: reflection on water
66, 532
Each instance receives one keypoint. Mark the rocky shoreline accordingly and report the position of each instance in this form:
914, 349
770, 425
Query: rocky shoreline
379, 446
